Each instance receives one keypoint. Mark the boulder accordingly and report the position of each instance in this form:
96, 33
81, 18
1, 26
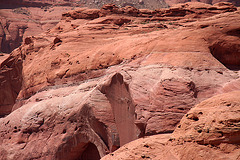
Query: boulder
213, 121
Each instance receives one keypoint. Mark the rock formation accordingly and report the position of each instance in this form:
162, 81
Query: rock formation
210, 130
22, 18
18, 23
172, 2
153, 4
104, 77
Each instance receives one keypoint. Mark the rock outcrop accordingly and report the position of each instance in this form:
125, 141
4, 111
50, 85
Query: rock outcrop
172, 2
151, 4
100, 119
18, 23
210, 130
29, 18
11, 83
214, 121
104, 77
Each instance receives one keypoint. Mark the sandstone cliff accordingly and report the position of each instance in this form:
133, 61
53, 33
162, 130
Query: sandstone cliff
18, 23
172, 2
104, 77
19, 19
150, 4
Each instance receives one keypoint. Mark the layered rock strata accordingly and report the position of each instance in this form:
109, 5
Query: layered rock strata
104, 77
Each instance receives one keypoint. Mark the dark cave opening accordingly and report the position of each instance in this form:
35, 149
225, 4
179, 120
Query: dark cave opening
79, 151
226, 48
90, 153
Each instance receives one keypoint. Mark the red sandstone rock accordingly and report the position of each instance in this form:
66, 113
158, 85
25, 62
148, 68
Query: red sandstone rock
172, 2
214, 123
3, 56
66, 65
18, 23
11, 82
86, 80
226, 49
231, 86
100, 119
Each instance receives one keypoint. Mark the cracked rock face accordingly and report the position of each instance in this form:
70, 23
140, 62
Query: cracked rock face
104, 77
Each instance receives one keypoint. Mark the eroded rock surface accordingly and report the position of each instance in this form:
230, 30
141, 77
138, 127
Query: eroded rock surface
18, 23
172, 2
104, 77
93, 124
11, 83
210, 130
214, 121
29, 18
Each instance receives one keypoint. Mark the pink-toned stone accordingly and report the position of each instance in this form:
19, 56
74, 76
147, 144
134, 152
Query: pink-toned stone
71, 122
210, 130
92, 84
172, 2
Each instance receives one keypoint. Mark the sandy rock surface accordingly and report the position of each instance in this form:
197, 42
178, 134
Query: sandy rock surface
22, 18
210, 130
18, 23
104, 77
173, 2
87, 3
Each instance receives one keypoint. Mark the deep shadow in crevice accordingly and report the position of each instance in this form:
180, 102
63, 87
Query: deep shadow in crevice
99, 128
227, 53
233, 67
11, 83
225, 47
90, 153
77, 148
234, 32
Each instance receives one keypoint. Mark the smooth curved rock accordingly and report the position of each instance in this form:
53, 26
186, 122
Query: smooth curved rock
227, 49
214, 122
86, 80
71, 122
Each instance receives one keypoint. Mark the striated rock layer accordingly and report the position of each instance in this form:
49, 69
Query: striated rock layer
18, 23
172, 2
150, 4
22, 18
104, 77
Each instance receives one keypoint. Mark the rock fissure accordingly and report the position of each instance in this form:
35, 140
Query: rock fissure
117, 92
